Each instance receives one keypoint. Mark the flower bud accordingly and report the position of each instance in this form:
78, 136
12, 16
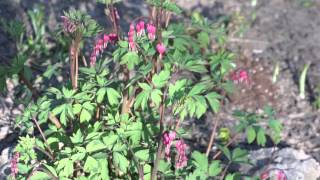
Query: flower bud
161, 48
151, 32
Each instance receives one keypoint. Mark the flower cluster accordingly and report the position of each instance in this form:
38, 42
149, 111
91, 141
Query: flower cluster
14, 164
139, 31
182, 158
100, 45
68, 25
168, 137
240, 76
276, 174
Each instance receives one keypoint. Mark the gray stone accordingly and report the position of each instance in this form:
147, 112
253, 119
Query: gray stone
4, 131
294, 163
5, 162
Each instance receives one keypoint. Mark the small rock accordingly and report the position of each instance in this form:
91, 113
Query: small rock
5, 162
4, 131
295, 164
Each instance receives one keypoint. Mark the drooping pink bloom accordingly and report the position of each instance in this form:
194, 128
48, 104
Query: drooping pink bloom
106, 40
240, 76
14, 164
161, 48
140, 28
93, 60
151, 31
181, 160
68, 25
100, 45
281, 175
113, 38
277, 174
168, 137
264, 176
131, 33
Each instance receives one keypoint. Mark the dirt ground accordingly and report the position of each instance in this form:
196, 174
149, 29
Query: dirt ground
286, 32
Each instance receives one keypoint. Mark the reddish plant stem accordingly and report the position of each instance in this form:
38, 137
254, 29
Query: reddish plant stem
140, 168
114, 20
44, 138
225, 171
168, 18
212, 137
54, 120
84, 61
142, 17
98, 112
39, 168
74, 55
158, 21
214, 130
227, 145
160, 143
126, 103
178, 125
76, 69
72, 63
153, 14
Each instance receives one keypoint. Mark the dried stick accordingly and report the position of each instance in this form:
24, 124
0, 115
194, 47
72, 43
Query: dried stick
54, 120
212, 137
225, 171
84, 61
72, 63
214, 129
228, 144
43, 137
74, 53
76, 70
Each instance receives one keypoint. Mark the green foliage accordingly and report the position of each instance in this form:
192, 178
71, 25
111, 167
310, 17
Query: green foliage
14, 28
31, 46
201, 167
250, 124
85, 25
165, 4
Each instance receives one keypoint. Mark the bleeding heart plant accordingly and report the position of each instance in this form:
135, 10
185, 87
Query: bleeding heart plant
120, 116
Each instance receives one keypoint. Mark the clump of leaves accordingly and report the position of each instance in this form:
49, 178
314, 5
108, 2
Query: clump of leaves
250, 124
